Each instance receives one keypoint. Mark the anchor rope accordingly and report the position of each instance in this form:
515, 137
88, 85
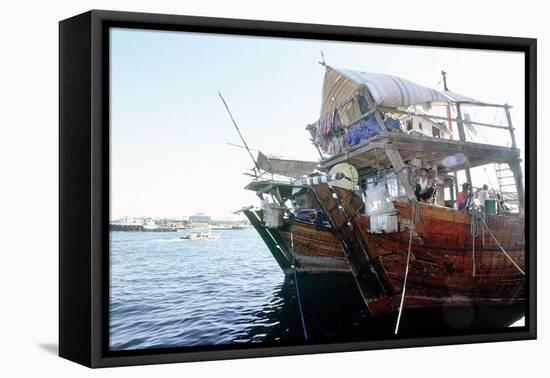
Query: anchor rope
415, 217
302, 318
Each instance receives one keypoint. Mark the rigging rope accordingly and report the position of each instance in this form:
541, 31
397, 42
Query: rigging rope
414, 218
296, 286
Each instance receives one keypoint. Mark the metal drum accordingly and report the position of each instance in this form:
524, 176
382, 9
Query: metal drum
490, 206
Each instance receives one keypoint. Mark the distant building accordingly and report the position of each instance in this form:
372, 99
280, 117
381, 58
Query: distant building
199, 218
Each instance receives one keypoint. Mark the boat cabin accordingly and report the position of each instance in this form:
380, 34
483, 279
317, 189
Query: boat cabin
381, 124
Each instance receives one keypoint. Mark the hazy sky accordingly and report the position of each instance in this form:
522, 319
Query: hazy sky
169, 130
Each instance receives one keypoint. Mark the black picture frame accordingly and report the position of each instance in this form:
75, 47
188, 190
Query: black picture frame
84, 178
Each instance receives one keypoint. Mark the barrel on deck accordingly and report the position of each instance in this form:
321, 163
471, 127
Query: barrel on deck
490, 206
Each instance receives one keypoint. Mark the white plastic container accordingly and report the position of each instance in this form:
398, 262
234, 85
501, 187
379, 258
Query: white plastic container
273, 217
383, 223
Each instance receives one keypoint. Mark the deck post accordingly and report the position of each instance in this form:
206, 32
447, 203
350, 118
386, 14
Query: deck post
509, 124
398, 164
393, 155
462, 136
514, 165
372, 106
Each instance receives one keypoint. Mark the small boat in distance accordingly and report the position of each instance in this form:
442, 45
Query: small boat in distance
200, 235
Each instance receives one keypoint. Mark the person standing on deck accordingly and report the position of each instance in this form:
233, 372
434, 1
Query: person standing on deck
502, 208
483, 195
465, 198
435, 181
424, 186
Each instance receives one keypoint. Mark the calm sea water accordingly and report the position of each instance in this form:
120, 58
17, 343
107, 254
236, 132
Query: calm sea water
169, 292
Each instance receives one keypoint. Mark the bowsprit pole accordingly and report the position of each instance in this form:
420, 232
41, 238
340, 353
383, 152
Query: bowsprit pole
241, 136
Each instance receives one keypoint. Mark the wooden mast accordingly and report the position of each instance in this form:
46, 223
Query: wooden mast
460, 126
449, 118
462, 136
257, 171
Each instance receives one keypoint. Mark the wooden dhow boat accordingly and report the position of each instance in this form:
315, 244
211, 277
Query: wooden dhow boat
357, 209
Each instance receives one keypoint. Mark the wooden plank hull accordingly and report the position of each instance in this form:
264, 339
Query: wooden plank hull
316, 251
271, 239
442, 226
444, 275
441, 270
442, 259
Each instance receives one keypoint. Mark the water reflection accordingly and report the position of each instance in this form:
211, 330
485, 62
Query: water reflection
334, 311
167, 292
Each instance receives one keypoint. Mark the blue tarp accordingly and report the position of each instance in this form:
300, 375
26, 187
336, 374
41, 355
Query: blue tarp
366, 129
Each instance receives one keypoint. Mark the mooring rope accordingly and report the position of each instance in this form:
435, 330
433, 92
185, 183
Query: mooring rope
502, 249
297, 287
414, 218
473, 256
477, 222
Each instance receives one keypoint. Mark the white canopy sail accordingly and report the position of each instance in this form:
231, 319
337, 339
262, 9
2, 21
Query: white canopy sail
386, 90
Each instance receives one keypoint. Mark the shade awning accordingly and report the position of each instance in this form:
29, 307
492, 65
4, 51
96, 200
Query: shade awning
285, 166
386, 90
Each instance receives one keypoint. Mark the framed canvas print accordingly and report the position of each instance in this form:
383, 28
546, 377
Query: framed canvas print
235, 188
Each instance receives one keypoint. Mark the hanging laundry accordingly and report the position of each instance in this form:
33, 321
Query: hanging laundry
326, 123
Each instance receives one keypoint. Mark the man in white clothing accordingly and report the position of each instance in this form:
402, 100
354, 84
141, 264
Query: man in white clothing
483, 195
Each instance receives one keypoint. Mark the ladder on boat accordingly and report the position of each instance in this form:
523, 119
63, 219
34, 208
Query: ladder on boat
507, 184
344, 227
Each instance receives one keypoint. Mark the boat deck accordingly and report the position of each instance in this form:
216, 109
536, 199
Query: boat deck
368, 154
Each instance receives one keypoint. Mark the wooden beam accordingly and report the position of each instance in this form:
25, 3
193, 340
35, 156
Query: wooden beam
393, 156
374, 108
396, 111
485, 104
510, 128
515, 164
410, 144
462, 135
398, 165
515, 167
351, 153
488, 125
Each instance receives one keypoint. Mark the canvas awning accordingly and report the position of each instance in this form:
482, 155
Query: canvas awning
386, 90
285, 166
